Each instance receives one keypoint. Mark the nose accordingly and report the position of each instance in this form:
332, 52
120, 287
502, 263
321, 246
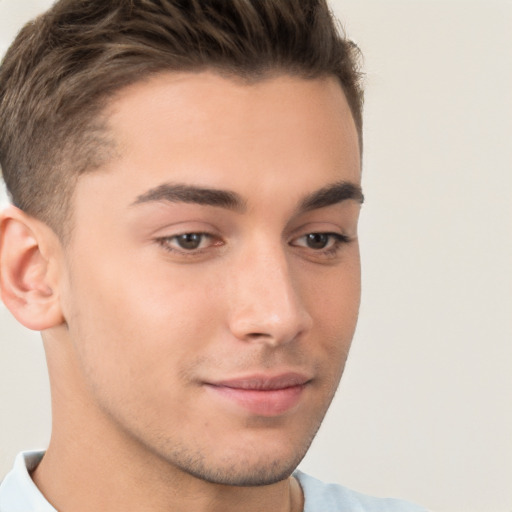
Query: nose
265, 304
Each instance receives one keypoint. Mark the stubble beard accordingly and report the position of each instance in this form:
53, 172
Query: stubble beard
243, 470
240, 473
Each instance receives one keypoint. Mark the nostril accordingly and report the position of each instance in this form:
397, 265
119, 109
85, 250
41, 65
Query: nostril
257, 335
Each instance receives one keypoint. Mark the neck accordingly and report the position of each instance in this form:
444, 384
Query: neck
91, 464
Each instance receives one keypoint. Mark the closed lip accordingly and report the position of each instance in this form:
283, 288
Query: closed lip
262, 395
262, 382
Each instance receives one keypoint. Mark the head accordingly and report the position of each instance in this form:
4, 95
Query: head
187, 184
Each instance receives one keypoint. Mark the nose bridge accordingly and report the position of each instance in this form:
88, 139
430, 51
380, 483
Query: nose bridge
266, 302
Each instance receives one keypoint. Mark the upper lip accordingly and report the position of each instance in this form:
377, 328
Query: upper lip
263, 382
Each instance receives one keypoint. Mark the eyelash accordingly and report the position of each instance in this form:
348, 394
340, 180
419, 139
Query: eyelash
338, 240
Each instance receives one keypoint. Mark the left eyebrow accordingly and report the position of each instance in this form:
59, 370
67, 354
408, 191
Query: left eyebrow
332, 194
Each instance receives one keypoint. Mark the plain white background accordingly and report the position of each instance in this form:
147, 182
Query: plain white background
424, 411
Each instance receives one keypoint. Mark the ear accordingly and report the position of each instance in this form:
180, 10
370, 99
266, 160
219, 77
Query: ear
29, 270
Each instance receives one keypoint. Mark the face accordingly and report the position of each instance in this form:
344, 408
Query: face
212, 282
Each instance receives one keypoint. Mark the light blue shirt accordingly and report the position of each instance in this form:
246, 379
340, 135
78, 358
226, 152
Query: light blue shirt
18, 493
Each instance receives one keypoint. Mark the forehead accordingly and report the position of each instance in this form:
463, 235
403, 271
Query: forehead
214, 131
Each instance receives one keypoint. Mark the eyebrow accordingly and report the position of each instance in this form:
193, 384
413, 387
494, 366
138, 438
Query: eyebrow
332, 194
180, 193
193, 194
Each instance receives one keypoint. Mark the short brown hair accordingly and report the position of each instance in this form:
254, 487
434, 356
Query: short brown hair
60, 71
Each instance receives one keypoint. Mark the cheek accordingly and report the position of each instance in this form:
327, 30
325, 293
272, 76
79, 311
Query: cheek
136, 325
333, 302
333, 297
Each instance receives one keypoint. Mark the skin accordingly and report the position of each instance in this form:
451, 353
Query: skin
139, 330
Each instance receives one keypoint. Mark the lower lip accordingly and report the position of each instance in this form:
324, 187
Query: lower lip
272, 402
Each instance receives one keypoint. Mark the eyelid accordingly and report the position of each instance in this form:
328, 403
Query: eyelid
328, 225
182, 227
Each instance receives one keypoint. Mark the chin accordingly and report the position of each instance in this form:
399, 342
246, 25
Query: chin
247, 476
254, 465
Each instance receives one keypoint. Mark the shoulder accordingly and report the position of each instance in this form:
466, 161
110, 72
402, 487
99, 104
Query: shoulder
322, 497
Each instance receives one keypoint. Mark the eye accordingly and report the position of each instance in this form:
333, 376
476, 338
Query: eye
188, 242
317, 240
320, 241
321, 245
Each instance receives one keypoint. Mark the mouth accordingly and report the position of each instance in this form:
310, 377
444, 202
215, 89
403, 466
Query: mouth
261, 395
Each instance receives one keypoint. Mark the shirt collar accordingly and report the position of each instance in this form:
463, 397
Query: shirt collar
18, 493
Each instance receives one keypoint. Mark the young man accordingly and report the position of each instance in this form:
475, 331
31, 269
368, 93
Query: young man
185, 179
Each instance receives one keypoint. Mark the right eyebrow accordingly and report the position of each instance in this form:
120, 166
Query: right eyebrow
176, 193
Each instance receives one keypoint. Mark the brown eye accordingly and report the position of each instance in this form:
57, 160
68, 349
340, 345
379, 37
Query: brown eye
317, 240
190, 245
189, 241
321, 243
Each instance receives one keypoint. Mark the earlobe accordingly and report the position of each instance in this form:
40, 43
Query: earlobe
27, 283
